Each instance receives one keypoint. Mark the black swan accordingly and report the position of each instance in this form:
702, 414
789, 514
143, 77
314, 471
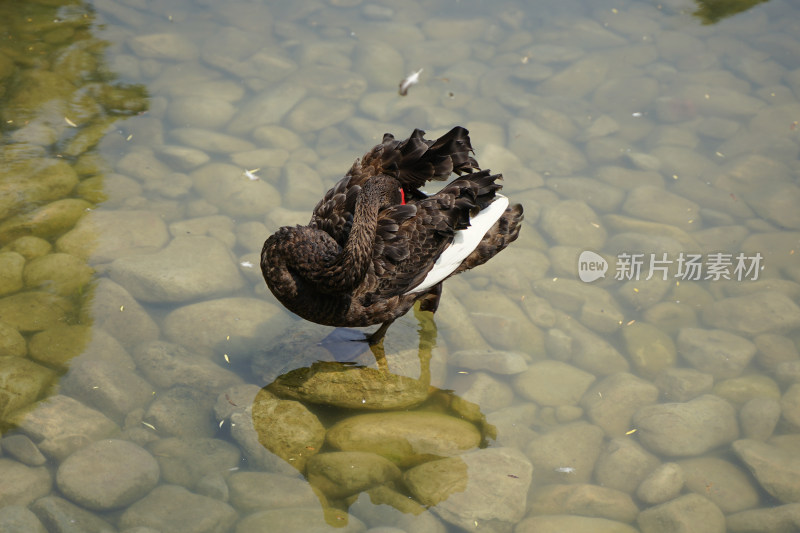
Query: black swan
376, 243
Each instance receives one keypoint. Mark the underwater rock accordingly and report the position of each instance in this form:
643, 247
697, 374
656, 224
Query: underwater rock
189, 268
173, 508
405, 437
107, 474
682, 513
685, 429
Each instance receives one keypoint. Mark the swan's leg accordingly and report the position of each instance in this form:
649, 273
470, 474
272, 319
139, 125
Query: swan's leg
377, 337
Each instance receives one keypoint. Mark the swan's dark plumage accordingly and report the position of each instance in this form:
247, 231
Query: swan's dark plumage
364, 251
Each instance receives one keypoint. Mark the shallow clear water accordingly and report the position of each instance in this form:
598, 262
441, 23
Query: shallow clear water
630, 361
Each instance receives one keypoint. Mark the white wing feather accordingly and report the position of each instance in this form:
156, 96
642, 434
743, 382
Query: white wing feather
465, 241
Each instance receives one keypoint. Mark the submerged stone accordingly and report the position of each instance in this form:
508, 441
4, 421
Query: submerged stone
21, 383
107, 474
352, 387
405, 438
35, 311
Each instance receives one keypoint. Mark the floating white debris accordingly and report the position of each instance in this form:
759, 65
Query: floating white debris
408, 81
251, 174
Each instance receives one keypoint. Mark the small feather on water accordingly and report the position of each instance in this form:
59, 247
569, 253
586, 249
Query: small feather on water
408, 81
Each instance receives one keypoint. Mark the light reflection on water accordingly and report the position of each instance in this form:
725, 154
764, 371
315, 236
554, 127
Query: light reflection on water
152, 148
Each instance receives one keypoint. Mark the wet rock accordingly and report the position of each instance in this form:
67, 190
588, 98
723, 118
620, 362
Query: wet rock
165, 365
29, 247
183, 158
226, 187
663, 484
248, 494
37, 181
577, 80
543, 151
716, 352
405, 438
574, 524
659, 205
754, 314
499, 320
352, 387
775, 349
671, 317
778, 519
189, 268
287, 429
107, 474
200, 112
18, 519
553, 383
47, 222
34, 311
740, 390
456, 487
596, 194
684, 429
649, 348
61, 273
623, 465
20, 484
11, 265
584, 500
682, 514
22, 382
12, 343
758, 418
234, 326
58, 514
590, 351
314, 114
732, 489
777, 470
182, 412
495, 361
566, 453
483, 391
108, 387
111, 308
683, 384
106, 235
790, 405
186, 461
612, 402
56, 347
342, 474
169, 46
173, 508
300, 520
572, 222
268, 108
207, 140
22, 449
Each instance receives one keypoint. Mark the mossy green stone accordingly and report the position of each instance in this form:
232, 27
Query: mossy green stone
29, 247
35, 310
11, 265
60, 273
12, 343
48, 221
56, 346
405, 438
21, 383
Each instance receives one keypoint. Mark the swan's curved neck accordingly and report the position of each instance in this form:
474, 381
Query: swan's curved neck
348, 268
